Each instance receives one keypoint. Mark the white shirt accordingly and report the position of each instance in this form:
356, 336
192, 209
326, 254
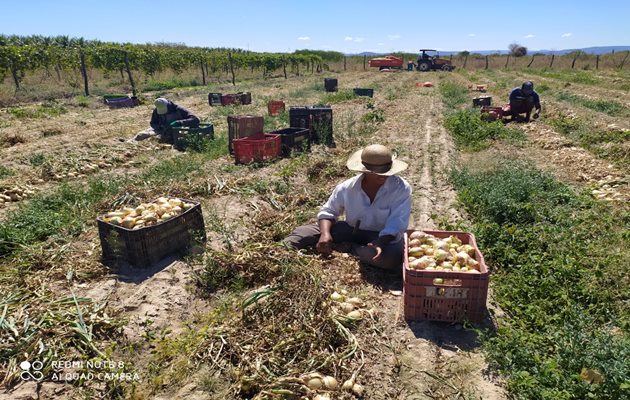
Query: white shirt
388, 214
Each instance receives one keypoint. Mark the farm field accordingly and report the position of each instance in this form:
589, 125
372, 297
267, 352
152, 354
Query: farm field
247, 319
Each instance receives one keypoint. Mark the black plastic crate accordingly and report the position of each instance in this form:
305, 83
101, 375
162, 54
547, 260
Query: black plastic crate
318, 120
146, 246
482, 101
294, 140
183, 136
330, 84
244, 97
363, 92
214, 99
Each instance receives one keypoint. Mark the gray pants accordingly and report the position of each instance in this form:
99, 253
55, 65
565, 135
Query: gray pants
308, 235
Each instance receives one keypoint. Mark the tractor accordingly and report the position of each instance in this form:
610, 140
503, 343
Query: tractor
428, 63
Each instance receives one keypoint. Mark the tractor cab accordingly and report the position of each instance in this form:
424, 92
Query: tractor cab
428, 62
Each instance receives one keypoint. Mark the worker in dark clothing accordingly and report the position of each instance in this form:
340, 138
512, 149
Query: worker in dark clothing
168, 115
523, 100
410, 65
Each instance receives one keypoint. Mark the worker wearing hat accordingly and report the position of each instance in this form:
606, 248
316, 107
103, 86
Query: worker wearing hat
523, 100
168, 115
377, 207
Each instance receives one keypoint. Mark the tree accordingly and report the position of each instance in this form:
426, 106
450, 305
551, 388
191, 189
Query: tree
517, 50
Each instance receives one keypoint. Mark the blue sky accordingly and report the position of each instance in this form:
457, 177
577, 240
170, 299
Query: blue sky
347, 26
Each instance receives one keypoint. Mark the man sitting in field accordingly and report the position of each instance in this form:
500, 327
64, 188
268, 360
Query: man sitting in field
168, 115
377, 207
522, 101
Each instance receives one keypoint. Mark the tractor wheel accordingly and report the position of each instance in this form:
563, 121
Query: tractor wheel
446, 68
424, 66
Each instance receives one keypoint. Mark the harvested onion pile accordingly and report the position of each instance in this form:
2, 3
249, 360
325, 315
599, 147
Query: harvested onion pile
429, 253
147, 214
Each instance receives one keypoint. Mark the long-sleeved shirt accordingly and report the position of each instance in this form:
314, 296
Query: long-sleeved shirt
160, 122
388, 214
517, 94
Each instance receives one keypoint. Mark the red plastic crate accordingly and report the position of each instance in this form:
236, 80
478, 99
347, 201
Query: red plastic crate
492, 113
275, 107
241, 126
461, 296
227, 99
259, 147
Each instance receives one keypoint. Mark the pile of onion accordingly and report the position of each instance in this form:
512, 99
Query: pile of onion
429, 253
147, 214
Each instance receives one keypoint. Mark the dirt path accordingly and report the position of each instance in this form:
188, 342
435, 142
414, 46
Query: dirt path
428, 351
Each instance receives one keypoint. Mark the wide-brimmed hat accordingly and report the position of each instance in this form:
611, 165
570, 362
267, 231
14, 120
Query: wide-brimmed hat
161, 105
376, 159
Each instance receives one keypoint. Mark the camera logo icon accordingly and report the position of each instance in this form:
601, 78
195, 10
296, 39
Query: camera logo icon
32, 370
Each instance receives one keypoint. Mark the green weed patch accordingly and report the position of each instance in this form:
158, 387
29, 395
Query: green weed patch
610, 107
560, 271
453, 95
471, 133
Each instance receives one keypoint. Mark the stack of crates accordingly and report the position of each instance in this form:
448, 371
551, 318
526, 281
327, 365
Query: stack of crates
318, 120
241, 126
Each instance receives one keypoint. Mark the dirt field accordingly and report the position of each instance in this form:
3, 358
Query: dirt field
165, 312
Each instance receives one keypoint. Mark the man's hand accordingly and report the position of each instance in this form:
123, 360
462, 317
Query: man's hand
379, 243
324, 245
175, 124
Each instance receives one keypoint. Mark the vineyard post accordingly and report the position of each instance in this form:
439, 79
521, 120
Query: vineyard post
364, 59
553, 56
624, 60
133, 84
344, 63
465, 61
597, 61
486, 62
84, 73
232, 68
577, 53
284, 67
16, 78
203, 73
531, 61
507, 61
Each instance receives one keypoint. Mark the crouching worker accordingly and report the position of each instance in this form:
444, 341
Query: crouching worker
377, 206
522, 101
168, 115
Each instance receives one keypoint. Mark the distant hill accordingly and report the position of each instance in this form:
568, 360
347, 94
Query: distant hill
589, 50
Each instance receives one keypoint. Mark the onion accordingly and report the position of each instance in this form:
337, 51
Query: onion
417, 235
355, 301
416, 251
314, 383
356, 315
321, 397
337, 297
415, 242
357, 389
330, 383
346, 307
441, 255
347, 385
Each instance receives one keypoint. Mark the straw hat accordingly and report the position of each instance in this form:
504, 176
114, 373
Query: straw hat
376, 159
